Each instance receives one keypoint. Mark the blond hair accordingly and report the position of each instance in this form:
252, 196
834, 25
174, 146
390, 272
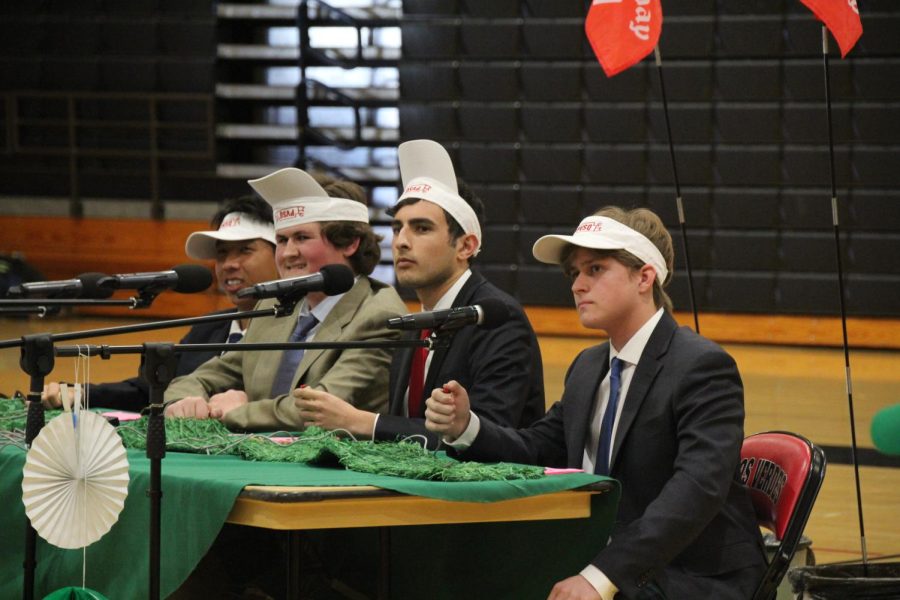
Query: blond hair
647, 223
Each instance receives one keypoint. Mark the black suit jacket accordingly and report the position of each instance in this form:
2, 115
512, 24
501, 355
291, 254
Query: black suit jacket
134, 393
501, 369
683, 520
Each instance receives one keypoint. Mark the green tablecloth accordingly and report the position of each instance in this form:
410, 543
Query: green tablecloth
199, 491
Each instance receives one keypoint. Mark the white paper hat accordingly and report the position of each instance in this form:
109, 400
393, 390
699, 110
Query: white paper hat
297, 198
234, 227
427, 173
602, 233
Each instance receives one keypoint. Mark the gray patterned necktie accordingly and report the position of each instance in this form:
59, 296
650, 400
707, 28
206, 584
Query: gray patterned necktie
284, 377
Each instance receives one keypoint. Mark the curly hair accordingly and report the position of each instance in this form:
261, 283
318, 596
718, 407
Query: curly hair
343, 233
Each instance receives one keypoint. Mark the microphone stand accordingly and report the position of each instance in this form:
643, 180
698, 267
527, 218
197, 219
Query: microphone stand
276, 311
40, 311
144, 298
105, 351
46, 306
158, 368
37, 360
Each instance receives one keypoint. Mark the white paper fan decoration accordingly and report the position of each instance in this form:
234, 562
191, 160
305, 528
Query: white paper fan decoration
75, 480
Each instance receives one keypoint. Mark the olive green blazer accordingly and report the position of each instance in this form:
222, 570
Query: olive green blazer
358, 376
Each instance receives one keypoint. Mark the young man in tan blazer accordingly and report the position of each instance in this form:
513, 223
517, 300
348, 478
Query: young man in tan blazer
251, 390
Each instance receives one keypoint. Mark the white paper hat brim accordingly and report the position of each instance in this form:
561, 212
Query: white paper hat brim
615, 236
201, 245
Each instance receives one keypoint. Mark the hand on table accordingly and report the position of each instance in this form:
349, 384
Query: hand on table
447, 411
326, 410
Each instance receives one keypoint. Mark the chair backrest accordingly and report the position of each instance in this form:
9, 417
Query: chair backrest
784, 472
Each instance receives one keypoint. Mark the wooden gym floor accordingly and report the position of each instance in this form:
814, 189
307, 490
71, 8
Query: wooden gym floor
789, 388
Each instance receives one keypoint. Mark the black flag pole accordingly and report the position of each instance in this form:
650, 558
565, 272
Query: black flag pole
840, 277
678, 201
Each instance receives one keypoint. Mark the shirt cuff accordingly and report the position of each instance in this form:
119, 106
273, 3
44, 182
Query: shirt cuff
600, 582
375, 425
468, 435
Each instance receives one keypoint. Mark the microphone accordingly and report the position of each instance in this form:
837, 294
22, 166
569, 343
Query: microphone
90, 286
886, 430
83, 286
489, 313
331, 279
184, 279
66, 288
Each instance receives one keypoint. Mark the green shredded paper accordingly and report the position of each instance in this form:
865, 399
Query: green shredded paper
316, 446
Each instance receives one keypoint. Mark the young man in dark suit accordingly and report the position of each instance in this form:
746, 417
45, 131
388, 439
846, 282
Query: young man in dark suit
242, 244
437, 232
657, 407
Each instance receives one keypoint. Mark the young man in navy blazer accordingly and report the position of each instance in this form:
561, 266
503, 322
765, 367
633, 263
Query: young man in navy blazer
437, 232
657, 407
242, 244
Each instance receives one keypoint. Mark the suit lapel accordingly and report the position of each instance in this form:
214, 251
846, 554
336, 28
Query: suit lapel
463, 298
647, 369
334, 323
583, 397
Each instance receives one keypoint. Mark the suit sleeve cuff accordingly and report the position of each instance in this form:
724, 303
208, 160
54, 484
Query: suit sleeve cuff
468, 436
600, 582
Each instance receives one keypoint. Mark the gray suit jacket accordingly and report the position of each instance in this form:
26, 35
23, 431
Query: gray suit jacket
358, 376
684, 520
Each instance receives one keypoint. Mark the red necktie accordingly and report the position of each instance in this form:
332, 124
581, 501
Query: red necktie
417, 379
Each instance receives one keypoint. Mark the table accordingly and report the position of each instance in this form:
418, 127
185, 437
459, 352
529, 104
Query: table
297, 509
201, 492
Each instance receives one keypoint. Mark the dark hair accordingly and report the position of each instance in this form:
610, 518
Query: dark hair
343, 233
453, 226
254, 206
647, 223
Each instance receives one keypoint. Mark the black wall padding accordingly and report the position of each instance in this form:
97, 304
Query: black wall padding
547, 138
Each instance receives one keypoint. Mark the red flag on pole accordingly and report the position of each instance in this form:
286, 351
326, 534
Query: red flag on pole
622, 32
841, 17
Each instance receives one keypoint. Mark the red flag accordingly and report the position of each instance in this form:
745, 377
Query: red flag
622, 32
841, 17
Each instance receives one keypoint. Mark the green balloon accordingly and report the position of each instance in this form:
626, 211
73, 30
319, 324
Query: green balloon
75, 593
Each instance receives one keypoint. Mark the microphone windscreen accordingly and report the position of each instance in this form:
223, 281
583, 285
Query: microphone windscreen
494, 312
90, 287
886, 430
337, 279
192, 278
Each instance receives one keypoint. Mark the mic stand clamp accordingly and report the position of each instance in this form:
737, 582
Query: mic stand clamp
158, 369
287, 303
440, 338
145, 297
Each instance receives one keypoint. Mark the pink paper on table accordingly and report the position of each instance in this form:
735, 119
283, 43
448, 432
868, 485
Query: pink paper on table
552, 471
122, 415
284, 439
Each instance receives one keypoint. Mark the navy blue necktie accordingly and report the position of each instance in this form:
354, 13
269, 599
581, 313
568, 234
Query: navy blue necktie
233, 338
284, 377
601, 465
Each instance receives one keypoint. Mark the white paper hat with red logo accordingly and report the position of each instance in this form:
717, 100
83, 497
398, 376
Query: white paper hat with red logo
427, 174
297, 198
236, 226
602, 233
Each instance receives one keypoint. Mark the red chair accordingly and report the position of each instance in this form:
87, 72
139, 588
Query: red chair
784, 472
